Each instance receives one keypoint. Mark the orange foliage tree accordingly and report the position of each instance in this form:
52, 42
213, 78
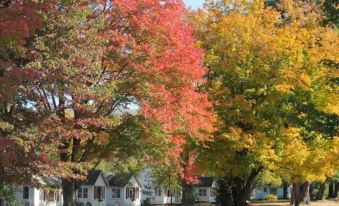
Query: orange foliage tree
111, 77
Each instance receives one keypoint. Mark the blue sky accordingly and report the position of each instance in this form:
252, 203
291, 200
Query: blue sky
194, 3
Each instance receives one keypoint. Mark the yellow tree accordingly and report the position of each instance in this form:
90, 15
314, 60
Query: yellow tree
264, 65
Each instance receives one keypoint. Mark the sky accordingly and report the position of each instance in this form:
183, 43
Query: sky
194, 3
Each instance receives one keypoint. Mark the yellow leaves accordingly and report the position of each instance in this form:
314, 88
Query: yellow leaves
69, 114
284, 87
311, 161
332, 106
257, 61
305, 78
5, 126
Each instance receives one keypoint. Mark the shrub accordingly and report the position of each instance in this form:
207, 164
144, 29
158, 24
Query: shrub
146, 202
7, 196
270, 197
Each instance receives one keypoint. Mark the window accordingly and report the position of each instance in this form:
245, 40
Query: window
25, 193
83, 192
202, 193
265, 189
132, 192
115, 193
157, 191
51, 196
99, 192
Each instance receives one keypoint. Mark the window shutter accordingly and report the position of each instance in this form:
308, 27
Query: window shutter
127, 193
80, 193
96, 193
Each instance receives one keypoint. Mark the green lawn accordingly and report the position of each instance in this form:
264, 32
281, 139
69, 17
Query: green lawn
284, 203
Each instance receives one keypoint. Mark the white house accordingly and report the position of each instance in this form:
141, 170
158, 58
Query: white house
123, 190
166, 196
93, 191
158, 194
48, 193
261, 192
206, 189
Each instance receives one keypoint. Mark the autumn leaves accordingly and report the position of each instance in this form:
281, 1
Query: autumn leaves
231, 90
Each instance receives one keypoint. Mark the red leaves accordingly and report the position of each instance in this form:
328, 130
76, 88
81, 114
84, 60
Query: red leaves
174, 65
19, 21
6, 156
136, 52
190, 169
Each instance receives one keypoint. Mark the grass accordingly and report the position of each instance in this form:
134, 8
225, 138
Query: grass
286, 203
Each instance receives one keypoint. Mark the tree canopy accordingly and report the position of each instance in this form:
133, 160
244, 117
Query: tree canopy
271, 90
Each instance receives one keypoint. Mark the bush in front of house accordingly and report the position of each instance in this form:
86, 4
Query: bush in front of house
7, 196
146, 202
270, 197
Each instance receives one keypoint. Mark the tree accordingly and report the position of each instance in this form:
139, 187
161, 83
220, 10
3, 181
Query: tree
330, 9
19, 20
94, 62
258, 59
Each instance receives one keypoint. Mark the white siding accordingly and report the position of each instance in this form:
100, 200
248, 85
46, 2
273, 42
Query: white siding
128, 202
202, 198
115, 201
35, 198
148, 184
100, 182
123, 201
210, 193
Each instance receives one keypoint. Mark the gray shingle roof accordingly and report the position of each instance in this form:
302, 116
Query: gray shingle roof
119, 180
93, 176
49, 181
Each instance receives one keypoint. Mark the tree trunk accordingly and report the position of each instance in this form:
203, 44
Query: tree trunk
336, 189
295, 194
305, 193
224, 194
285, 192
188, 195
241, 189
320, 193
240, 196
311, 191
330, 190
68, 192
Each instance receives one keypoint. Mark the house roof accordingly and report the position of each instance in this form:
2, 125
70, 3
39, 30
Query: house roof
93, 176
204, 182
49, 181
120, 180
